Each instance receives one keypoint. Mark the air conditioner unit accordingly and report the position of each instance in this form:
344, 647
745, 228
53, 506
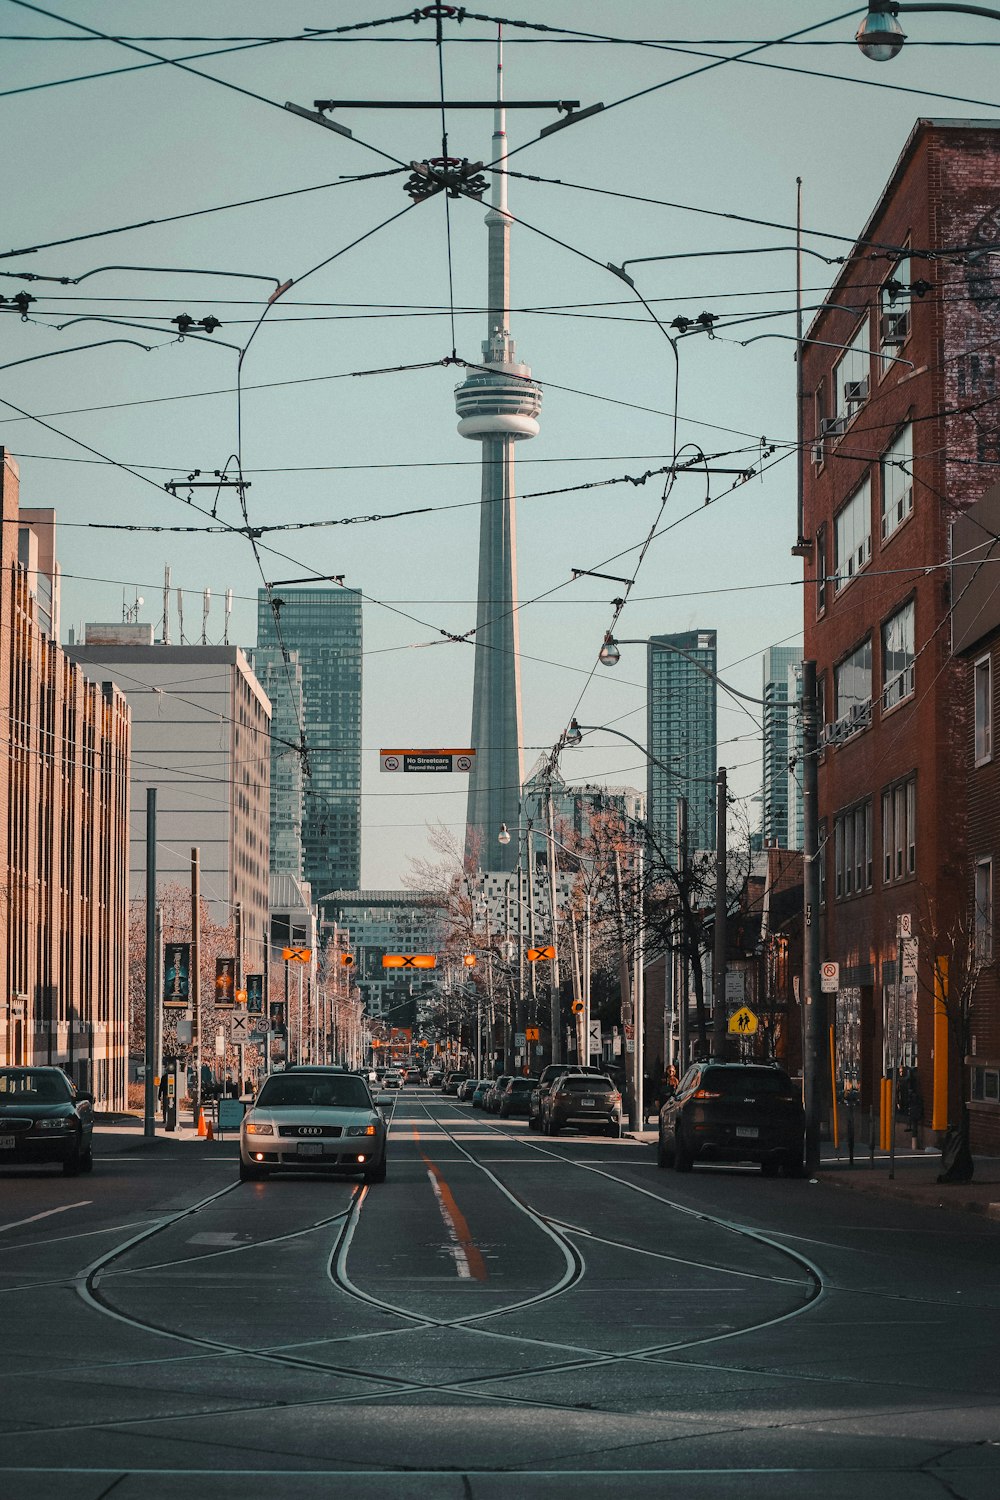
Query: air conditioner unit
860, 712
855, 391
894, 327
833, 426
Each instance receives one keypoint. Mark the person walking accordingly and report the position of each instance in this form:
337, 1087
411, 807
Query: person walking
915, 1112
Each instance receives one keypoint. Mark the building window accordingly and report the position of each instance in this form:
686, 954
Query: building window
897, 481
984, 910
986, 1085
853, 535
851, 376
899, 831
894, 312
852, 681
852, 841
982, 693
821, 570
897, 657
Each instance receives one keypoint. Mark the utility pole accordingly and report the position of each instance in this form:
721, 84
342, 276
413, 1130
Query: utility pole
555, 1008
719, 953
810, 941
238, 983
682, 943
196, 979
152, 998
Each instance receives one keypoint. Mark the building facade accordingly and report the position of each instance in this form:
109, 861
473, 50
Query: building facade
64, 815
681, 733
395, 922
781, 812
280, 675
899, 423
201, 737
322, 626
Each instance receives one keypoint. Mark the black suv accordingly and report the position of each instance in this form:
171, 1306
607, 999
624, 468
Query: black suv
549, 1074
733, 1112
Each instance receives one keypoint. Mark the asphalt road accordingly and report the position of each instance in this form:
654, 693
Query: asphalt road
507, 1315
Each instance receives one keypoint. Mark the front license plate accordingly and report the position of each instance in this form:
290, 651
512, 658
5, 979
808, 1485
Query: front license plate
6, 1143
747, 1132
315, 1148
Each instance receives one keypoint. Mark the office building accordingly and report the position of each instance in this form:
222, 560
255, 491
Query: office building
280, 675
322, 626
681, 736
781, 813
394, 922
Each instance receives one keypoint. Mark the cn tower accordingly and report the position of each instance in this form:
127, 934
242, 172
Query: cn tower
497, 407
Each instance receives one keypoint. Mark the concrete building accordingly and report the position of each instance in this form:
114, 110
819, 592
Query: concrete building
900, 420
64, 810
781, 812
381, 922
201, 736
498, 407
681, 732
976, 641
322, 627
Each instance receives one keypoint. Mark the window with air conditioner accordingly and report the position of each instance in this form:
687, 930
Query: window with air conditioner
896, 472
852, 683
853, 535
898, 656
894, 312
851, 376
982, 697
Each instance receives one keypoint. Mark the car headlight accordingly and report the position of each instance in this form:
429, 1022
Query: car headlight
360, 1130
255, 1127
53, 1125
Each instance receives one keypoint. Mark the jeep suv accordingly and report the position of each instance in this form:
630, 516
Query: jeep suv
540, 1092
733, 1112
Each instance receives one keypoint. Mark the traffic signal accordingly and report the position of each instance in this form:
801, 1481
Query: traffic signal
577, 1007
469, 960
347, 960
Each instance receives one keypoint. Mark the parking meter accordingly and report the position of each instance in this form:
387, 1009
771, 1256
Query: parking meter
170, 1102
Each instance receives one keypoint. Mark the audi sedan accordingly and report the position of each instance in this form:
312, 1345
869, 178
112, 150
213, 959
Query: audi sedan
313, 1119
733, 1112
44, 1117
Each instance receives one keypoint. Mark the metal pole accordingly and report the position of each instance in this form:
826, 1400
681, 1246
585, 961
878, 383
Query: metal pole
811, 939
555, 1007
196, 979
894, 1049
267, 997
719, 953
158, 1049
639, 991
152, 998
682, 967
586, 979
625, 982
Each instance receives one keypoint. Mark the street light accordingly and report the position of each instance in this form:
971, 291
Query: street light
880, 35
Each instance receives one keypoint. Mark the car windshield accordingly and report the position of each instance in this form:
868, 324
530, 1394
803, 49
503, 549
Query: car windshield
746, 1081
25, 1086
578, 1085
288, 1091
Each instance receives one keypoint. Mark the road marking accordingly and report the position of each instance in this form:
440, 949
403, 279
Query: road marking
469, 1260
63, 1208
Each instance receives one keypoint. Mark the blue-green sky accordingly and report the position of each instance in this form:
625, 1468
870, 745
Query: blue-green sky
91, 155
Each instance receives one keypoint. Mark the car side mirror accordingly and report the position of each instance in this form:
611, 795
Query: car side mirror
83, 1097
385, 1099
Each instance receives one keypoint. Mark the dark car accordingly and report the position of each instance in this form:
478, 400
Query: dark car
590, 1102
516, 1097
478, 1095
466, 1088
450, 1085
491, 1099
542, 1085
733, 1112
44, 1117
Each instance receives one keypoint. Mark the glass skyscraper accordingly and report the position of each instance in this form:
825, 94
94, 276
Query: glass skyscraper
781, 818
681, 732
280, 675
322, 626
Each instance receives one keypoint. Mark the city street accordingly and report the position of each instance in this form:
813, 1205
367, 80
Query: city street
507, 1314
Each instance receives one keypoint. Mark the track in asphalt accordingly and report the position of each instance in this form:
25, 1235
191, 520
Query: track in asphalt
308, 1326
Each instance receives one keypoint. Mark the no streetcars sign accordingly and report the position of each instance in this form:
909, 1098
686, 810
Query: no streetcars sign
426, 760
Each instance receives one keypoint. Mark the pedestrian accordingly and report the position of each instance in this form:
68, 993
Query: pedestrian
161, 1092
670, 1082
915, 1112
230, 1090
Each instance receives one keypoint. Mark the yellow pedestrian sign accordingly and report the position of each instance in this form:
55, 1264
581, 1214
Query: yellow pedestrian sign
743, 1022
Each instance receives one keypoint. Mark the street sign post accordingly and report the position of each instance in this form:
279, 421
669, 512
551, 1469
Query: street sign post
297, 955
743, 1022
241, 1028
539, 955
829, 978
531, 1033
409, 960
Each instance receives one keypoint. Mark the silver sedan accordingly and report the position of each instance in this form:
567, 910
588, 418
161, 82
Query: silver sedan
313, 1119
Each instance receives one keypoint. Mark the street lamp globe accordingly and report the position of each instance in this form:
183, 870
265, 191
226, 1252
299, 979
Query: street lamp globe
880, 36
609, 655
574, 734
503, 837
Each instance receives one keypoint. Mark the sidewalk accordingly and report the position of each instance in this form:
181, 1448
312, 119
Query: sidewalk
915, 1179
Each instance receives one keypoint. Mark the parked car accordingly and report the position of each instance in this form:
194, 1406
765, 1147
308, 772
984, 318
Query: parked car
516, 1098
392, 1079
451, 1082
479, 1093
465, 1088
413, 1075
313, 1119
435, 1076
733, 1112
44, 1117
491, 1102
544, 1083
586, 1100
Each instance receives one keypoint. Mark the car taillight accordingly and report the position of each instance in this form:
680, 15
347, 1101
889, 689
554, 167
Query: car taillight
707, 1094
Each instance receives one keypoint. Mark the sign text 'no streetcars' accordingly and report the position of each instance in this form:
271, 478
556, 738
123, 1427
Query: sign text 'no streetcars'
426, 760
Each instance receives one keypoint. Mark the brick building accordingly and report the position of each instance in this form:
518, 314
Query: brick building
64, 810
899, 418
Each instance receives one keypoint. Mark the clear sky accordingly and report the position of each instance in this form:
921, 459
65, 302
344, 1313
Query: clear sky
321, 442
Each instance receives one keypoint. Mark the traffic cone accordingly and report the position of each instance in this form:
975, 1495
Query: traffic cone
202, 1127
209, 1131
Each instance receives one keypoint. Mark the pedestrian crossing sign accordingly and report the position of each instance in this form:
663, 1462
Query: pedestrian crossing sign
743, 1022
